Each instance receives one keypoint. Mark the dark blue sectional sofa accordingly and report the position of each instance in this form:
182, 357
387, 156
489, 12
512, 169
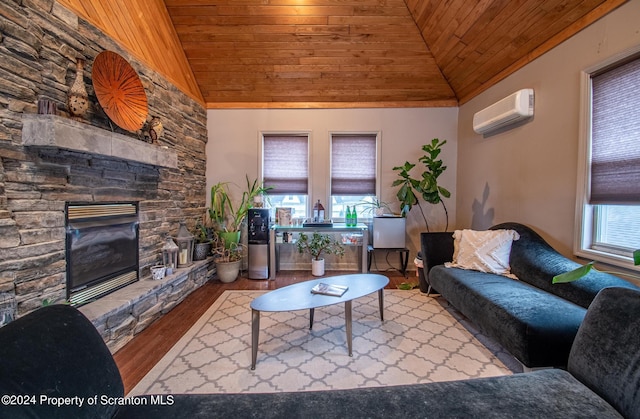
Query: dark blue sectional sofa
535, 320
54, 364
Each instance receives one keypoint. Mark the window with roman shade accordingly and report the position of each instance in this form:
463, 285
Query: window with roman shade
353, 164
286, 163
354, 168
615, 137
609, 185
285, 167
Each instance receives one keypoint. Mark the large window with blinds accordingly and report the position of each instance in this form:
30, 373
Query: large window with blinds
354, 173
611, 201
285, 167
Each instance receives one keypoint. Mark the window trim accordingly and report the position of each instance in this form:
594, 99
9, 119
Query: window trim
585, 218
378, 135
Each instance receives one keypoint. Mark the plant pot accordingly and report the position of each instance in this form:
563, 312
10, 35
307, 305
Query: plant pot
229, 237
317, 267
228, 271
201, 251
158, 272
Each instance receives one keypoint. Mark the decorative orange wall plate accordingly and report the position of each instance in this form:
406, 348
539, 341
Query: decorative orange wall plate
119, 91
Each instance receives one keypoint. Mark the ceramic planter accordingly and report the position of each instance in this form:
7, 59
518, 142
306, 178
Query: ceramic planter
228, 271
317, 267
158, 272
201, 251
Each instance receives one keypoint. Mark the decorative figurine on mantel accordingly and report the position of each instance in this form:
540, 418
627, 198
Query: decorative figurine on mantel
152, 130
77, 98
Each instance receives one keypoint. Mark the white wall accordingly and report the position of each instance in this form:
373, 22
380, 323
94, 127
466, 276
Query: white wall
528, 174
234, 135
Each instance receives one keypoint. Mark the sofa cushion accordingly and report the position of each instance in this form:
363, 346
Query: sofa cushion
484, 251
605, 354
534, 261
541, 394
52, 353
536, 327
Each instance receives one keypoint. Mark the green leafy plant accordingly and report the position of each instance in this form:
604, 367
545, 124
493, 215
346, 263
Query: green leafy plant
224, 214
578, 273
317, 244
374, 207
227, 253
426, 185
202, 234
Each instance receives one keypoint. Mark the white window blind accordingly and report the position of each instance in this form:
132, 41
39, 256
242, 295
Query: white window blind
615, 137
353, 164
286, 163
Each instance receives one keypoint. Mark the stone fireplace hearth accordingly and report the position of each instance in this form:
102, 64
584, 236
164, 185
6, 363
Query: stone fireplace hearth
124, 313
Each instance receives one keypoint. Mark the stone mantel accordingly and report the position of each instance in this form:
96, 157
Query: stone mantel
59, 132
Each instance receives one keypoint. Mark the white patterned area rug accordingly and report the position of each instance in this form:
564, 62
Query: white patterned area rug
420, 341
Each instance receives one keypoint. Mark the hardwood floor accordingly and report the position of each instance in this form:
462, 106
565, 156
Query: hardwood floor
137, 358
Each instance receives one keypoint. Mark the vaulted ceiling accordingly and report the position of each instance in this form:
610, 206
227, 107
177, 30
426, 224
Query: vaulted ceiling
338, 53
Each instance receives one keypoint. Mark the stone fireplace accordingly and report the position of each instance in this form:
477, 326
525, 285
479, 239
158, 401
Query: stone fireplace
89, 161
103, 177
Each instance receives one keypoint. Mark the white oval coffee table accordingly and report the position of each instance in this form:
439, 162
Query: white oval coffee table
299, 297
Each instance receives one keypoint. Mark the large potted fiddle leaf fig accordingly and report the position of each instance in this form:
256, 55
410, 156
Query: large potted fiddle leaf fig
424, 186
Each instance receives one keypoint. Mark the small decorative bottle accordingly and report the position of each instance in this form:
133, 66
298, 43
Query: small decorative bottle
347, 218
77, 98
354, 217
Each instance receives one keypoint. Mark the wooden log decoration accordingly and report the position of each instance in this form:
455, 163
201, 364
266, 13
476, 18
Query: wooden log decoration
119, 91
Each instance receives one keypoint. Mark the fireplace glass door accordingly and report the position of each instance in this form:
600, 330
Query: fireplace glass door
102, 249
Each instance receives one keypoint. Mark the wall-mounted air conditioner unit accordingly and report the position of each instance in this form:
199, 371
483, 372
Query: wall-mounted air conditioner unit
514, 108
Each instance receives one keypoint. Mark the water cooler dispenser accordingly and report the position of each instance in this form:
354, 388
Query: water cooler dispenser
258, 241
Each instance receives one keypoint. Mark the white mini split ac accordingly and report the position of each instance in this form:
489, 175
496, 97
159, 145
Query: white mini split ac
510, 110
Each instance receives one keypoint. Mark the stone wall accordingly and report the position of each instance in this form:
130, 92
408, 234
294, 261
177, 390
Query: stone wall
40, 42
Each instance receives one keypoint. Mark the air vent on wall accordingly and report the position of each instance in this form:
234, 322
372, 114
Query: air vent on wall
514, 108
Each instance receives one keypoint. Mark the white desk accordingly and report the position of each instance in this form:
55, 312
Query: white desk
333, 228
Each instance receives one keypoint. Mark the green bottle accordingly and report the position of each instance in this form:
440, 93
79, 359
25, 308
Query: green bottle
347, 218
354, 217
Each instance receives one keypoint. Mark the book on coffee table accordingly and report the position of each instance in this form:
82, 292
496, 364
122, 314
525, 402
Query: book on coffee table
329, 289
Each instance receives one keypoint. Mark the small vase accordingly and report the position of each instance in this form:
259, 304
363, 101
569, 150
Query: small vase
77, 98
317, 267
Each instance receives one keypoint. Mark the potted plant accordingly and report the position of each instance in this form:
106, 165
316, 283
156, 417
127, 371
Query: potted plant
203, 242
228, 259
315, 246
228, 218
375, 207
426, 186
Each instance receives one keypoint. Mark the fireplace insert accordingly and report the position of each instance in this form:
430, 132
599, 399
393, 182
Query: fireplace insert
101, 249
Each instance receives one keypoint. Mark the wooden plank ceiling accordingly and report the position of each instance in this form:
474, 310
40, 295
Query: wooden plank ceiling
339, 53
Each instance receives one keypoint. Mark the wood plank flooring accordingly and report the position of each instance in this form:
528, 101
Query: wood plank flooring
137, 358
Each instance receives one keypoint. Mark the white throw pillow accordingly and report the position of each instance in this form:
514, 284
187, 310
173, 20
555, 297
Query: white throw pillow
484, 251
